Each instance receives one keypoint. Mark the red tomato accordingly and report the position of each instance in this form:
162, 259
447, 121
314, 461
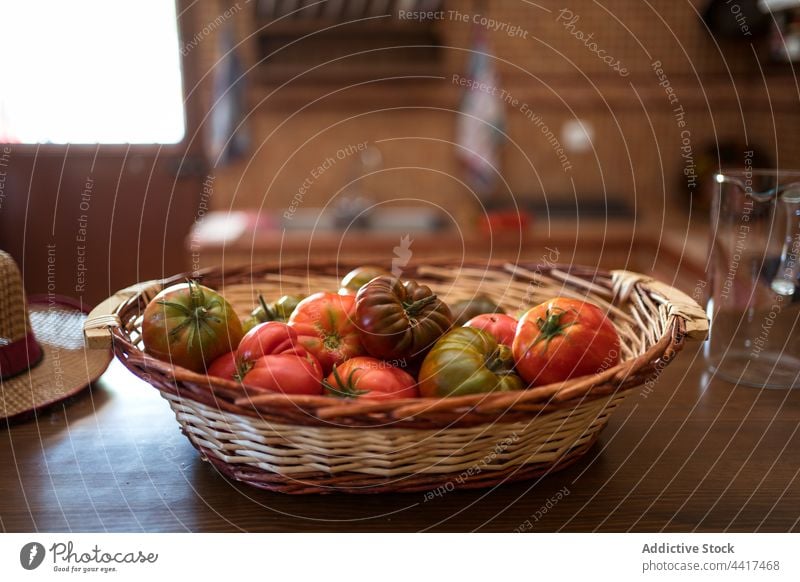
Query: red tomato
272, 337
325, 326
564, 338
288, 373
501, 326
364, 377
225, 366
270, 357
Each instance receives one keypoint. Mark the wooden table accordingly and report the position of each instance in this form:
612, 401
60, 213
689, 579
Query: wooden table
694, 454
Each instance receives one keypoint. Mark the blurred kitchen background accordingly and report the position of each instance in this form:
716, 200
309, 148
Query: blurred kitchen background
278, 130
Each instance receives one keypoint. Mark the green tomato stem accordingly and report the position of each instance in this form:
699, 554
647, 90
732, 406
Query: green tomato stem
413, 309
551, 327
345, 389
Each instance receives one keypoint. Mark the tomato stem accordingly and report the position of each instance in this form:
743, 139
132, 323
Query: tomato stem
345, 389
197, 314
500, 360
242, 368
413, 309
551, 327
269, 314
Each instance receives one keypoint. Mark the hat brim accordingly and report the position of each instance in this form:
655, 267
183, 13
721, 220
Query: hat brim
67, 367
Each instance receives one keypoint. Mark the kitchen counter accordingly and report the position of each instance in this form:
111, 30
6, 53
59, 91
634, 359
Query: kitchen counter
695, 453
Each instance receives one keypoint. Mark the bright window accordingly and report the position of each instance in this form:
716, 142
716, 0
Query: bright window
90, 71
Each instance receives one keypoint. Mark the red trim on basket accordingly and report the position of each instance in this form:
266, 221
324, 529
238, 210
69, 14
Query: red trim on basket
19, 356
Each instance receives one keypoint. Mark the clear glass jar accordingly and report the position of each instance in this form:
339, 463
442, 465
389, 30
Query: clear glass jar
753, 270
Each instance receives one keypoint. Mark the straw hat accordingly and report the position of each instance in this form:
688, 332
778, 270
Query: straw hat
42, 356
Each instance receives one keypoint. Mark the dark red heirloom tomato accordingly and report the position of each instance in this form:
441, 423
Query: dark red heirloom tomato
325, 326
364, 377
190, 325
399, 319
501, 326
564, 338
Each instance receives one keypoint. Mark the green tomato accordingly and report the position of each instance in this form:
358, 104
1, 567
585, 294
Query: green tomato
190, 325
468, 361
357, 278
279, 310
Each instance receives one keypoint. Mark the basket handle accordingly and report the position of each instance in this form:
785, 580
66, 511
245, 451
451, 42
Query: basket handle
100, 321
674, 302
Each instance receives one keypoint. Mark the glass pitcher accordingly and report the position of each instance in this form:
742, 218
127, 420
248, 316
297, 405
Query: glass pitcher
754, 278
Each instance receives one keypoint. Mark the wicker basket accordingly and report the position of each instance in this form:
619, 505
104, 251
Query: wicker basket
318, 444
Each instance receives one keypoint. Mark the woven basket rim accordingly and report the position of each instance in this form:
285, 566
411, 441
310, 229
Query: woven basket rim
194, 376
619, 378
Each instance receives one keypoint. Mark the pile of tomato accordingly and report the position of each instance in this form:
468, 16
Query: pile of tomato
381, 338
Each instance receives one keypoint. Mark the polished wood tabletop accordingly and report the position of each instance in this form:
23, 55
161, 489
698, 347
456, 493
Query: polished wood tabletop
688, 453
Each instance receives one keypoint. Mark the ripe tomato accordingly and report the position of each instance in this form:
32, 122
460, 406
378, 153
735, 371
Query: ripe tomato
371, 378
564, 338
226, 366
501, 326
357, 278
270, 357
325, 326
288, 373
190, 325
267, 338
467, 361
399, 319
